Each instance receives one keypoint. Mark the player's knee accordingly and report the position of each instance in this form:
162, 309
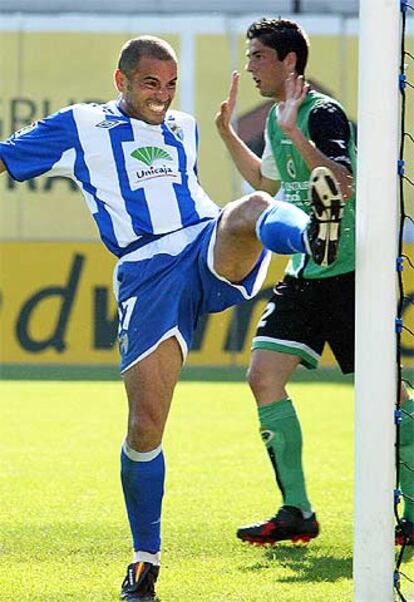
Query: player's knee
254, 205
259, 200
265, 384
258, 380
144, 431
243, 214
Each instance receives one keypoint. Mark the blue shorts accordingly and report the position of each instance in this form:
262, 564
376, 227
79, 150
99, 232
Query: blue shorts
165, 286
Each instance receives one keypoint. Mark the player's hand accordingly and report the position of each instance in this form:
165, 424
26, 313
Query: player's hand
225, 113
296, 90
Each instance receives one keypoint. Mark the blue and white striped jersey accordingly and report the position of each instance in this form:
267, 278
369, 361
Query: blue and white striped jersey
139, 180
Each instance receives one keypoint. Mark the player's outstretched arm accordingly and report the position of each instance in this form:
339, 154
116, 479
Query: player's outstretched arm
247, 163
296, 90
2, 166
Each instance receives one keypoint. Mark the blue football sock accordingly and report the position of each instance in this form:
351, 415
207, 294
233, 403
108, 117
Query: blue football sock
142, 476
281, 228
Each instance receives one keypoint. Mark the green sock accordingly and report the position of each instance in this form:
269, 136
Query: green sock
281, 433
407, 457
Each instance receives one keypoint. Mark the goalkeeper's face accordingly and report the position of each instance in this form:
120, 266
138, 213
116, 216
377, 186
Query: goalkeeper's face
147, 93
267, 71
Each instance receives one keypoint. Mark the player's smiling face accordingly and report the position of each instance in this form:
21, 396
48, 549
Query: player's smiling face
268, 72
149, 91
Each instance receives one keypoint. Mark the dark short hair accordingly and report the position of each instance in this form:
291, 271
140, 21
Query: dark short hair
284, 36
150, 46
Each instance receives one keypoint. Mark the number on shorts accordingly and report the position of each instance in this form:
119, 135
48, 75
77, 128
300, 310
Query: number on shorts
270, 307
127, 307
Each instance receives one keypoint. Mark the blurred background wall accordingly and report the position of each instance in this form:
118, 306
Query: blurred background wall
56, 303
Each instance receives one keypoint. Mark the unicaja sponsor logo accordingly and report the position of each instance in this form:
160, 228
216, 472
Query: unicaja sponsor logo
150, 155
154, 172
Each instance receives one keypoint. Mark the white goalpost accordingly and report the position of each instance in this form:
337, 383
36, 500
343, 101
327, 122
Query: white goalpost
376, 304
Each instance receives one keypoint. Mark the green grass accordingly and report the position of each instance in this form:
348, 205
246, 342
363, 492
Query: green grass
64, 535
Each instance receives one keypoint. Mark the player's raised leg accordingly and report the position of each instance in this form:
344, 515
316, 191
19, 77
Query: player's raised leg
150, 384
258, 219
327, 211
251, 223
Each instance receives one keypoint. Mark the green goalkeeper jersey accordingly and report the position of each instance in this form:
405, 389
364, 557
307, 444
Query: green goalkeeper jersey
316, 119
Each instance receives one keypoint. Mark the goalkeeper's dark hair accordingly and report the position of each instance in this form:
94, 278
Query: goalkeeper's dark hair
284, 36
148, 46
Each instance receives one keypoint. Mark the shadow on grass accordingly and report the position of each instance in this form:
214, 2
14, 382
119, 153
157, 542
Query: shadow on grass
306, 564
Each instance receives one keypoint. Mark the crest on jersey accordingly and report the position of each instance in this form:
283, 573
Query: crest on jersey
176, 129
150, 154
290, 167
179, 132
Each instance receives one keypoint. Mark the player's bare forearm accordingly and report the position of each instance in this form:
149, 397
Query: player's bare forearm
314, 158
247, 163
2, 166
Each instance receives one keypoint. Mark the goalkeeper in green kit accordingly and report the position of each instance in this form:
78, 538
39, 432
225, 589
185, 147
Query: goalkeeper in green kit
314, 303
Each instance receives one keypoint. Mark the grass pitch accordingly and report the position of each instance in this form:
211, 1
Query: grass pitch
64, 534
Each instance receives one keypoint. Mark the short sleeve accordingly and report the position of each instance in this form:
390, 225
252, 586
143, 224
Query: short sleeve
41, 147
268, 167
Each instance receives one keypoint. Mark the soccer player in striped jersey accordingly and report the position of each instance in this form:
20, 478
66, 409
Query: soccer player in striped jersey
135, 161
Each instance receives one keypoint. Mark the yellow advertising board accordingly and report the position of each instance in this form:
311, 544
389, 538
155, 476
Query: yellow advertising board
57, 307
